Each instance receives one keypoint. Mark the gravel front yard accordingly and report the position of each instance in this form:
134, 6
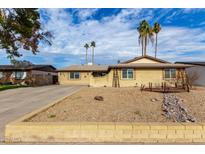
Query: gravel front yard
119, 105
195, 102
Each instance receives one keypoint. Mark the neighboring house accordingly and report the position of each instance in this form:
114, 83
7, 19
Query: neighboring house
134, 72
196, 73
33, 75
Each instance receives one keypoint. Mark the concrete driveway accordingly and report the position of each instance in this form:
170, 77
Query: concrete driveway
15, 103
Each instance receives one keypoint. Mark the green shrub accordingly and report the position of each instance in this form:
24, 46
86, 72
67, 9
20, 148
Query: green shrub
51, 116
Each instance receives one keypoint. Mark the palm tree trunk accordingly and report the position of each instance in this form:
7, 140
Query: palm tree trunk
92, 55
86, 58
156, 47
144, 50
142, 46
145, 46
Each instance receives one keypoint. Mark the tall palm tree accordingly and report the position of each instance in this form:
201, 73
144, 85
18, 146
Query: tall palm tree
141, 42
145, 34
86, 56
93, 45
141, 38
156, 30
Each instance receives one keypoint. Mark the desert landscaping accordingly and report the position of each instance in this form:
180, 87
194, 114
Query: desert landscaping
120, 105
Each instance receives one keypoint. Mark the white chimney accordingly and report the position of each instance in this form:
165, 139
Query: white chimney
90, 63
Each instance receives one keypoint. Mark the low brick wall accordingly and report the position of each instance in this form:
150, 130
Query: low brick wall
101, 132
106, 132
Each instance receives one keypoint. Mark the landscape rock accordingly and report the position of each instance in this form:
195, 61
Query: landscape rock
174, 109
154, 100
99, 98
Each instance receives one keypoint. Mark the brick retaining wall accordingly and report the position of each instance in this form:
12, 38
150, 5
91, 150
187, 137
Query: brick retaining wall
106, 132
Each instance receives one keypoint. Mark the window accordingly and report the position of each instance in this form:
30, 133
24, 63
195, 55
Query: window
170, 73
1, 75
99, 74
127, 73
74, 75
20, 75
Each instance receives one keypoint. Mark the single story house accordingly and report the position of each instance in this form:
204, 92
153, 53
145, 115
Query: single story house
32, 75
196, 73
134, 72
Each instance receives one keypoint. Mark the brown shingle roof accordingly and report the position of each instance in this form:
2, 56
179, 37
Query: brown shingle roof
146, 56
104, 68
26, 67
92, 68
192, 63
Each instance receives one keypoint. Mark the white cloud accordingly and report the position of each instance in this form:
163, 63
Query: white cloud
181, 40
115, 37
84, 14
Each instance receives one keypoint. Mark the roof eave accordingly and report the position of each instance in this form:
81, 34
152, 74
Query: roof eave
149, 57
151, 67
82, 70
190, 63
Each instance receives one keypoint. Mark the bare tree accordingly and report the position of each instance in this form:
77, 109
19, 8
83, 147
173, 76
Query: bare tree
192, 76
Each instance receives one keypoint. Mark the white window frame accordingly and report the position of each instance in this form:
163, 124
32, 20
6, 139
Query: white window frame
1, 75
20, 77
74, 75
127, 73
170, 73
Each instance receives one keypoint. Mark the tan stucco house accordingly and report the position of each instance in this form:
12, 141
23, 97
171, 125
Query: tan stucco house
134, 72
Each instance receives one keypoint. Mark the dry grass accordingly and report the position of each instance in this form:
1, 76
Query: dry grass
119, 105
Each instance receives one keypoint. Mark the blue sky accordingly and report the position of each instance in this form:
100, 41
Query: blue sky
182, 37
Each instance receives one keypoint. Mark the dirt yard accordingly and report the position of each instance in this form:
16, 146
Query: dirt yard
119, 105
194, 101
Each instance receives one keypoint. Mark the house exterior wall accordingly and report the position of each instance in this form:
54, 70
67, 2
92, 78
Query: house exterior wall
64, 78
141, 76
101, 81
41, 78
144, 76
200, 72
144, 60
